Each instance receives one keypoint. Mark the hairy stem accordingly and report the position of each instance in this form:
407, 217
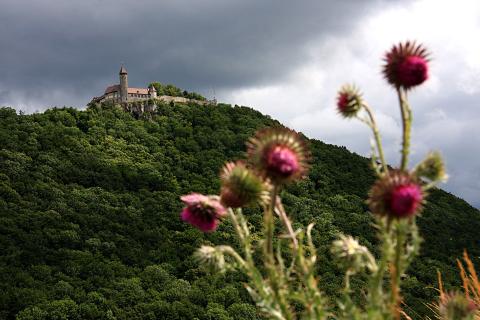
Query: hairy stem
376, 135
269, 225
406, 127
376, 299
276, 278
280, 211
397, 270
231, 252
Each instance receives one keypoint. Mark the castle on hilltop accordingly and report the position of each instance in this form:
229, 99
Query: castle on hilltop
119, 93
122, 94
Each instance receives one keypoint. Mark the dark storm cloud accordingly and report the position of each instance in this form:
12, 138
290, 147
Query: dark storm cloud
64, 52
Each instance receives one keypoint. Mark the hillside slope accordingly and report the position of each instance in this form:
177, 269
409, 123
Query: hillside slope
89, 210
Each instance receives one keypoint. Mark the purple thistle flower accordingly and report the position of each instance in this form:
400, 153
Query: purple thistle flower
412, 71
397, 194
279, 154
349, 101
282, 161
202, 212
405, 200
406, 65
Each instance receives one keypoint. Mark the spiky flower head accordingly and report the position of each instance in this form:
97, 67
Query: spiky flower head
352, 255
202, 212
397, 194
406, 65
241, 186
455, 306
432, 168
349, 101
279, 154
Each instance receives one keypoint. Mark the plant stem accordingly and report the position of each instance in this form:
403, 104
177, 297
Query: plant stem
275, 277
347, 282
397, 272
269, 225
406, 126
229, 250
287, 223
377, 278
376, 135
248, 266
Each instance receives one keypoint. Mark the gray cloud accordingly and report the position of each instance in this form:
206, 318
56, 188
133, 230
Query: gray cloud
76, 47
285, 58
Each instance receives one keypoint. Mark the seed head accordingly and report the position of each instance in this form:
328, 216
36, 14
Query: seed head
211, 258
352, 255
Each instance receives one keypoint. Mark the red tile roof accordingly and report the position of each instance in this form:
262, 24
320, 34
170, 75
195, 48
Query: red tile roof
113, 88
116, 88
138, 90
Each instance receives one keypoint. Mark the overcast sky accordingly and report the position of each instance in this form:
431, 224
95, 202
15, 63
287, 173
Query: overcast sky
284, 58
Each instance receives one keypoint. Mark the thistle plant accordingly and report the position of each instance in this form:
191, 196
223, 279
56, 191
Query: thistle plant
457, 305
287, 286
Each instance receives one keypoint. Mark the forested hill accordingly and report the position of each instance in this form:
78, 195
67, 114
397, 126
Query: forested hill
89, 209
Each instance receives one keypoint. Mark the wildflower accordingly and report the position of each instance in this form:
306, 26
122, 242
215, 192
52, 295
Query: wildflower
406, 65
352, 255
397, 194
455, 306
202, 212
279, 154
241, 187
432, 168
349, 101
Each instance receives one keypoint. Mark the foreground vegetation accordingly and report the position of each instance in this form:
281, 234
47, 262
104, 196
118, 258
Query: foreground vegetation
281, 261
90, 226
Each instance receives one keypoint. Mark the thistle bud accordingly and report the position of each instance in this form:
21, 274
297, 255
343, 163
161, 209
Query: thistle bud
278, 154
241, 187
397, 194
202, 212
406, 65
349, 101
432, 168
455, 306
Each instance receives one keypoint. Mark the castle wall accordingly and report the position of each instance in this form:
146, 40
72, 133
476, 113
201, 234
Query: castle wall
182, 100
115, 97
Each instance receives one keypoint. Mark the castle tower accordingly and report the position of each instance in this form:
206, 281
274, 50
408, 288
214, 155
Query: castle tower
152, 91
123, 84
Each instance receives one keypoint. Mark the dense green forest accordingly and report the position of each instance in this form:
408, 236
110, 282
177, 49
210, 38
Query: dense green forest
174, 91
90, 227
